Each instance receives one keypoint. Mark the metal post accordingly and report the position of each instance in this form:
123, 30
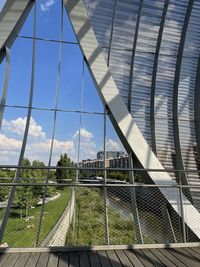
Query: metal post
134, 209
53, 132
107, 238
182, 210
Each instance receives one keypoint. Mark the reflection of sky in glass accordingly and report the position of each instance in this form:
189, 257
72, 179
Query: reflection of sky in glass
2, 2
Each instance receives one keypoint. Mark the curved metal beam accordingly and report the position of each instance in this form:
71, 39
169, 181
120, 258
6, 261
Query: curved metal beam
123, 122
12, 18
154, 75
133, 54
179, 159
197, 106
5, 87
111, 32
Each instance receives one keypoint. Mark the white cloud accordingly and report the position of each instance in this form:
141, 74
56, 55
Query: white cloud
38, 145
18, 126
47, 4
113, 145
85, 134
88, 147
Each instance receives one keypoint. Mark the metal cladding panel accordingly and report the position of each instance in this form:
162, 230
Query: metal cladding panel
115, 35
186, 100
148, 48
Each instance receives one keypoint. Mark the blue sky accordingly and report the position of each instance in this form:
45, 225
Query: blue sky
67, 126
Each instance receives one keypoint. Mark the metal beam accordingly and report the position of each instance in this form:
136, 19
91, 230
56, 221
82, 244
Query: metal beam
5, 87
133, 54
12, 17
154, 75
178, 152
197, 106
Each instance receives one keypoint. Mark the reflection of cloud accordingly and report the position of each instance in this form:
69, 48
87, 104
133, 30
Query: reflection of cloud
47, 4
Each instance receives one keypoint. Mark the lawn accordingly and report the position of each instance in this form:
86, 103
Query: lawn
89, 224
20, 233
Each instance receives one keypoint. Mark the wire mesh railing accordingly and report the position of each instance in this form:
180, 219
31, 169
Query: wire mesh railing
90, 211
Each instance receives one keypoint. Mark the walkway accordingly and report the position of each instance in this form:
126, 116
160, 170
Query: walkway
105, 258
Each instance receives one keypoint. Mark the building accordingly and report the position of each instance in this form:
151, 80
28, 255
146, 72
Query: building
116, 159
110, 154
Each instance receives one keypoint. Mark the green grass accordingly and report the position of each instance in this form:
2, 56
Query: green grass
89, 225
18, 233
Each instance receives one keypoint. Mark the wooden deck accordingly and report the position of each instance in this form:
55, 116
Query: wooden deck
105, 258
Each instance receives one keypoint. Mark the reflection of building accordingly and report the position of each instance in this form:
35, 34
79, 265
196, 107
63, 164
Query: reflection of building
110, 154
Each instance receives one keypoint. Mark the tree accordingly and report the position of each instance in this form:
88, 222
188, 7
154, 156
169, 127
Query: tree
27, 196
64, 174
4, 190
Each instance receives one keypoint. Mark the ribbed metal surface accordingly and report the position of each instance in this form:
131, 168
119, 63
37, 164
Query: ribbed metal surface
176, 71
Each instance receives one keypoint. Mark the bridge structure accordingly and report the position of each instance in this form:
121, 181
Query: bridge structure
143, 57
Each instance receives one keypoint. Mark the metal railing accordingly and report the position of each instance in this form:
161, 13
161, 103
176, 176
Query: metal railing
78, 212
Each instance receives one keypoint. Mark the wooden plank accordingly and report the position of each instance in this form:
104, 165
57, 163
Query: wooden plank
33, 259
162, 257
196, 249
53, 260
94, 259
11, 260
141, 256
3, 257
123, 258
104, 259
63, 260
115, 262
84, 259
132, 257
193, 253
183, 256
43, 260
152, 258
172, 258
73, 260
22, 260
